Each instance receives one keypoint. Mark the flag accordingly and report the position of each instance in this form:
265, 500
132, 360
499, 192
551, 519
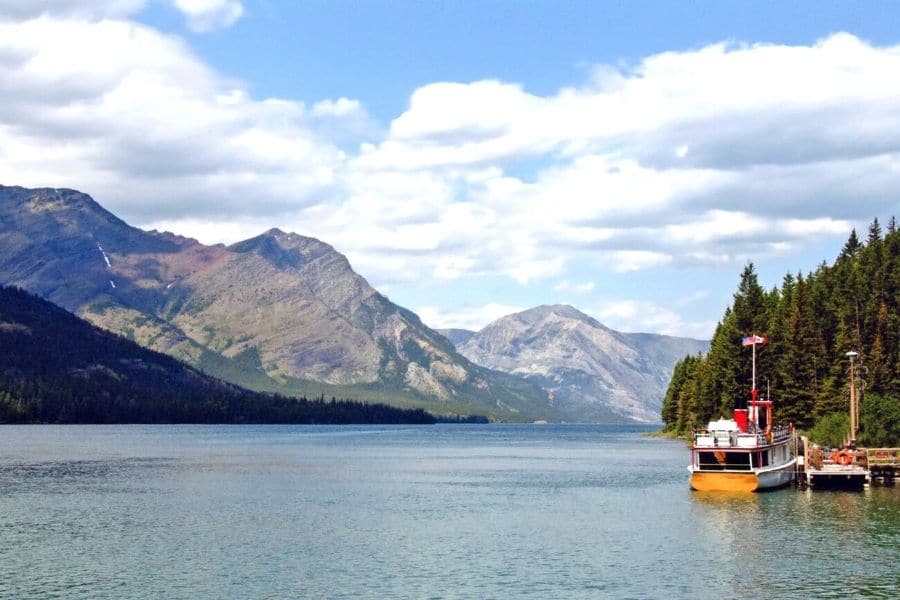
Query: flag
753, 340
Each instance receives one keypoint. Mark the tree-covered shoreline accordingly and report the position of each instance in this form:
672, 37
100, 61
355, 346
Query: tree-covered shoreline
57, 368
811, 322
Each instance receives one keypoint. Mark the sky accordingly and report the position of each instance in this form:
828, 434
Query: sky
474, 159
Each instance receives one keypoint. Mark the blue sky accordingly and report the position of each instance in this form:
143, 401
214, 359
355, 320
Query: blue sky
381, 51
475, 158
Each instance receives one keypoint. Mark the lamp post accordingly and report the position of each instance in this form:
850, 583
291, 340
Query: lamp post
853, 413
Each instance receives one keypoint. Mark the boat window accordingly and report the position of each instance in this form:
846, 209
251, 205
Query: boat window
721, 461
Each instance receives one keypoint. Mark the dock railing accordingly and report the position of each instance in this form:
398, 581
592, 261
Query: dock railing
883, 457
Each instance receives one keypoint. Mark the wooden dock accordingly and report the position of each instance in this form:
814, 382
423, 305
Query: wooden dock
883, 464
847, 469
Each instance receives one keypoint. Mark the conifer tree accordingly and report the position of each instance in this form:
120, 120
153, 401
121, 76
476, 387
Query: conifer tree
812, 322
800, 365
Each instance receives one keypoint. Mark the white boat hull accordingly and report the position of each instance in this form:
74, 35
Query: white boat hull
753, 480
770, 478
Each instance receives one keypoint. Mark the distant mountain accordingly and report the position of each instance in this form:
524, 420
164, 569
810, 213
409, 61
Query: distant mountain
278, 312
456, 336
589, 369
57, 368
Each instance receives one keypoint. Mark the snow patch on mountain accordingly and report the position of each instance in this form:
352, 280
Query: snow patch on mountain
105, 257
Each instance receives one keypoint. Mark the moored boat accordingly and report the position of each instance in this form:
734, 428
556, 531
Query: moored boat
746, 453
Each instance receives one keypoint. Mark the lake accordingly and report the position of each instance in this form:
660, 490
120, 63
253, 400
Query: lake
445, 511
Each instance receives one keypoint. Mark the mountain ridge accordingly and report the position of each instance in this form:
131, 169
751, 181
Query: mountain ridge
586, 366
58, 368
278, 312
283, 312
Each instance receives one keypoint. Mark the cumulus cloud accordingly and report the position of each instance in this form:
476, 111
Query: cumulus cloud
565, 286
643, 316
709, 156
201, 15
472, 318
703, 157
208, 15
93, 9
131, 115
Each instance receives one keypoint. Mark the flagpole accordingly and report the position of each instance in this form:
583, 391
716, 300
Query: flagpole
754, 409
754, 366
753, 340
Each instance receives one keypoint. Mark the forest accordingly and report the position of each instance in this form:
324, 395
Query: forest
811, 322
58, 368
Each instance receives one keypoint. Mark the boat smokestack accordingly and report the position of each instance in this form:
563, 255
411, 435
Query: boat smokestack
740, 417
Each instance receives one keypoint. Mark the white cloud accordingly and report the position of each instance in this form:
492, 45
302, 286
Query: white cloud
337, 108
208, 15
719, 155
202, 15
565, 286
132, 116
472, 318
623, 261
704, 157
92, 9
723, 103
210, 231
643, 316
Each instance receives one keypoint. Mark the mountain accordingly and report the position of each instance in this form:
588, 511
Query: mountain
57, 368
589, 369
456, 336
278, 312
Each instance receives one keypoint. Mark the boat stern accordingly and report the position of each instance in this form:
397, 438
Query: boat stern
724, 482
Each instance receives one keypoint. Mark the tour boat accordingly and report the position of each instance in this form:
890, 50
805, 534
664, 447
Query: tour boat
745, 453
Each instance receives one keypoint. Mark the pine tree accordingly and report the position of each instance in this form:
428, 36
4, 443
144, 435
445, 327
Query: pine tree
800, 365
851, 247
720, 387
812, 322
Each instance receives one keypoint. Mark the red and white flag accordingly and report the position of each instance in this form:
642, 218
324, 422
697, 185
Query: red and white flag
753, 340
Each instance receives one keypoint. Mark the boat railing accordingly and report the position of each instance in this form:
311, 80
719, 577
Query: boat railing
739, 439
782, 433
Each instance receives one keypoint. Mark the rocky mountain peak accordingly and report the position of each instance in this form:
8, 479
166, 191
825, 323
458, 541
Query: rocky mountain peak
67, 208
548, 312
589, 368
281, 310
290, 250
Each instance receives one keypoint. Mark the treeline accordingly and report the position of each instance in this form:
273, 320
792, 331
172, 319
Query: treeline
467, 419
811, 322
57, 368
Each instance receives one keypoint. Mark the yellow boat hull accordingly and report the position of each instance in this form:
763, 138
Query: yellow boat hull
724, 482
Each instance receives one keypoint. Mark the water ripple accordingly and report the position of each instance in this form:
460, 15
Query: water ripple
417, 512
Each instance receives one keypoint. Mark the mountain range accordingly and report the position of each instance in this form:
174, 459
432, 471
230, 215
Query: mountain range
588, 369
287, 313
57, 368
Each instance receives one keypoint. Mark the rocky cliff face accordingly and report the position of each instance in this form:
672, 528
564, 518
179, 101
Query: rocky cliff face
588, 369
274, 312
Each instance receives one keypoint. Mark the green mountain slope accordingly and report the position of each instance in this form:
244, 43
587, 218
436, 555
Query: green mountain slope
279, 312
55, 367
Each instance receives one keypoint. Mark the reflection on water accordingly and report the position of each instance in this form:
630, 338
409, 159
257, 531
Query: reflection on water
445, 511
727, 500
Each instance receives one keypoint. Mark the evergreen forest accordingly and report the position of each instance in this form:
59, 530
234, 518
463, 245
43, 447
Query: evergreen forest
811, 322
57, 368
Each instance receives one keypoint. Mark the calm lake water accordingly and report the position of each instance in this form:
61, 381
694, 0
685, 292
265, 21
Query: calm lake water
445, 511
